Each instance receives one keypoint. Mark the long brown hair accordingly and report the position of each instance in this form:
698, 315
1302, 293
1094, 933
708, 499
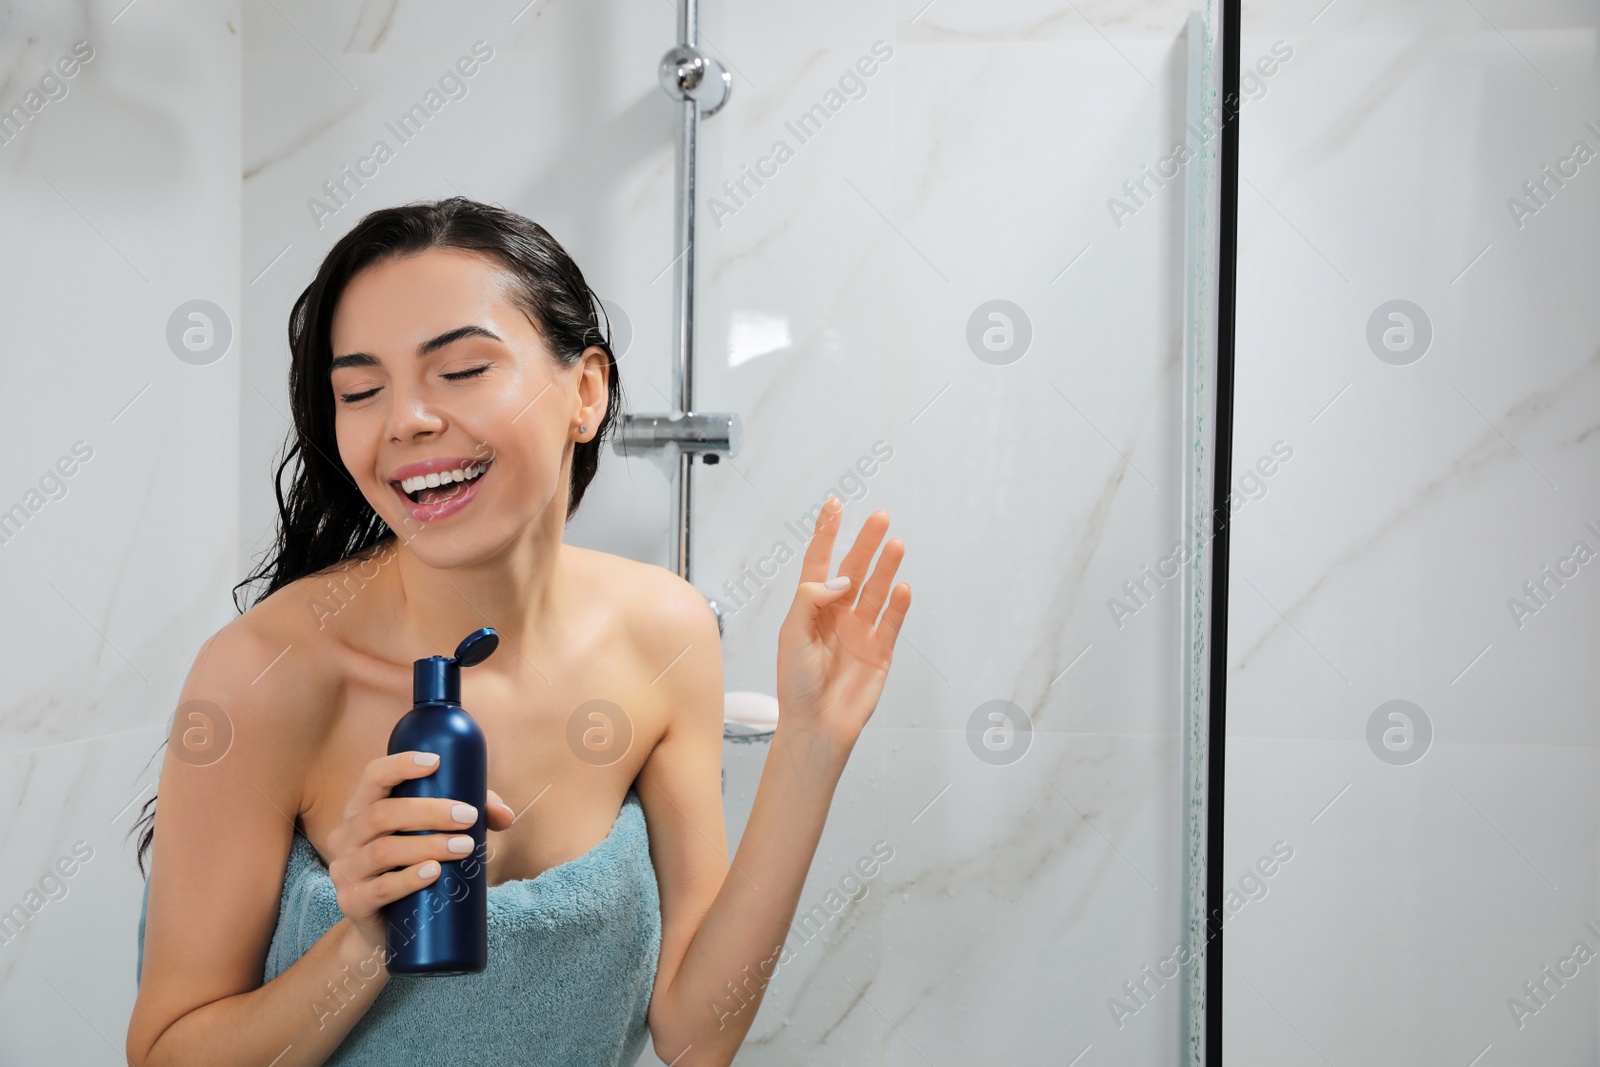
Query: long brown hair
323, 519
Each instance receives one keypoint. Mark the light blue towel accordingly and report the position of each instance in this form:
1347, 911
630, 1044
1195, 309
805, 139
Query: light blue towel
572, 959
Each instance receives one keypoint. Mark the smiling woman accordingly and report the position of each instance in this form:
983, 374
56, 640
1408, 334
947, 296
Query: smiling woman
520, 349
452, 383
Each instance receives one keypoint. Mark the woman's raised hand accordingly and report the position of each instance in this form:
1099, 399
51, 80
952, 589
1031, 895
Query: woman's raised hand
365, 850
833, 649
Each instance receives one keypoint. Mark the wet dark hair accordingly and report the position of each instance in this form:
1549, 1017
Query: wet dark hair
323, 519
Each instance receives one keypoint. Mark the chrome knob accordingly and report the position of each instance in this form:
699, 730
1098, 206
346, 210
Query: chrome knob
686, 74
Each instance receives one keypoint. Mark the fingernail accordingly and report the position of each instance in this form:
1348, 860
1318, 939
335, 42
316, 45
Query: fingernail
427, 759
429, 869
838, 581
462, 844
464, 813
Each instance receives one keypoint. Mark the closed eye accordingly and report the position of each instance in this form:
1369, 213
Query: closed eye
356, 398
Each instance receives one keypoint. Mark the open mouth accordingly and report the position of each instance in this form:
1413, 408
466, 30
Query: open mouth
428, 491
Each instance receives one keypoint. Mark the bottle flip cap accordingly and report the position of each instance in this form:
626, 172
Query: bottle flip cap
437, 679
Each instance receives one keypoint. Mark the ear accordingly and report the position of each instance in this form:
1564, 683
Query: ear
594, 383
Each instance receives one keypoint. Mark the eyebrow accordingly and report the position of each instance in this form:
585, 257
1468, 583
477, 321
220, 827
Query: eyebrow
367, 359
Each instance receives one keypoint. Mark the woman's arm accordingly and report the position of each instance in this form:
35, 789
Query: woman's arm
223, 829
833, 657
224, 825
295, 1019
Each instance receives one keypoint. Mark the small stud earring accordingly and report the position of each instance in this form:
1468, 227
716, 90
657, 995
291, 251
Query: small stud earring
583, 429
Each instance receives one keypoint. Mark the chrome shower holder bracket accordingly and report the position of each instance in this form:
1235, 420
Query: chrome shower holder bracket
689, 74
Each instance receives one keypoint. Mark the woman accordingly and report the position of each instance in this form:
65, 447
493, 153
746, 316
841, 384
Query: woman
460, 337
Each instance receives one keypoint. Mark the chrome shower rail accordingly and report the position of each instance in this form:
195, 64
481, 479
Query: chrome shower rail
702, 86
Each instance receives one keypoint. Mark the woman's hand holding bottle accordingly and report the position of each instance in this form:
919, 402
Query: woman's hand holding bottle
365, 848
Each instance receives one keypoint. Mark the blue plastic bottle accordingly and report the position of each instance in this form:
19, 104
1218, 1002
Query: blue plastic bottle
443, 928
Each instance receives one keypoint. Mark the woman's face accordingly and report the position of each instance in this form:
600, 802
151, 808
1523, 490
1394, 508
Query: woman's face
437, 372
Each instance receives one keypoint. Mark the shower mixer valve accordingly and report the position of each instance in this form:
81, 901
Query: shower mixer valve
713, 435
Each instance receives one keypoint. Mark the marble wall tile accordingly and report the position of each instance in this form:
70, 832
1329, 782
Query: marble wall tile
1381, 561
122, 194
1024, 896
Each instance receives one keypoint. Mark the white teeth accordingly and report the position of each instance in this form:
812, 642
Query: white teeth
423, 481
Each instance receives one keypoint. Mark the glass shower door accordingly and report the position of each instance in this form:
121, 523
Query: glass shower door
945, 272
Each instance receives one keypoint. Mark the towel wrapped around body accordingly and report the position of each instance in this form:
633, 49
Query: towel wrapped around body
572, 960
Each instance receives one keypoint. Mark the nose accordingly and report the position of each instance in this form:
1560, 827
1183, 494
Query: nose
412, 414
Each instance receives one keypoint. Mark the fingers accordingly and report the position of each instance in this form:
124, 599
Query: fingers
873, 592
393, 815
819, 554
372, 812
500, 814
385, 772
895, 617
856, 561
393, 834
384, 845
394, 866
876, 591
388, 888
395, 851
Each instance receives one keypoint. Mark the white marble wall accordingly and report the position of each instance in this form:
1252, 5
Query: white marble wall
975, 166
121, 198
1420, 497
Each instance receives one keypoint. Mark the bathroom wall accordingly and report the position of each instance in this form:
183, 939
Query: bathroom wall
1444, 858
1031, 462
118, 541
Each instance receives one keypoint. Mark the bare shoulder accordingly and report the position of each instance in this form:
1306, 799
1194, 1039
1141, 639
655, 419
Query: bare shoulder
673, 638
269, 670
662, 613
